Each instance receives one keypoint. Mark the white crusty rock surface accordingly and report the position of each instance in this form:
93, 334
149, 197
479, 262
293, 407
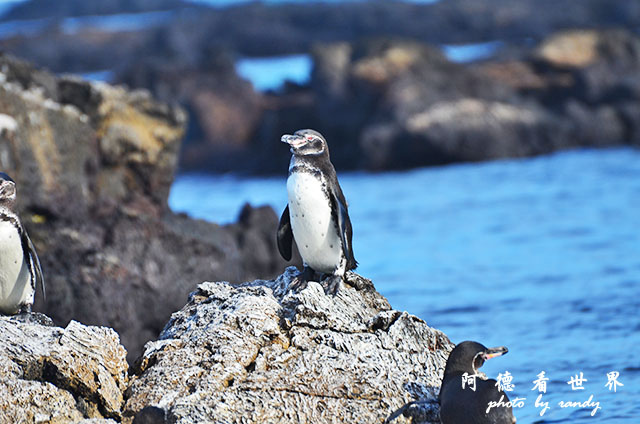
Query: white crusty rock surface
54, 375
258, 353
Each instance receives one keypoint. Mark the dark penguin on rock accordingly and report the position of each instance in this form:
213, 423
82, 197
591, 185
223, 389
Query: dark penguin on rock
465, 406
316, 215
19, 264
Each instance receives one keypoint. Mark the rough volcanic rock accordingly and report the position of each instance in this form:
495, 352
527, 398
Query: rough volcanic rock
93, 165
60, 375
256, 352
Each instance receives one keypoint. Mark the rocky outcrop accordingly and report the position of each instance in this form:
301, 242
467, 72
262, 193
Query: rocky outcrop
256, 352
49, 374
93, 165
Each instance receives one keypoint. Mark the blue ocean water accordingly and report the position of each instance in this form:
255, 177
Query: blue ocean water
462, 53
541, 255
270, 73
103, 76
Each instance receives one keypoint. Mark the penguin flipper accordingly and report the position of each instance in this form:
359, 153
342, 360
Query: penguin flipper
344, 226
285, 235
33, 261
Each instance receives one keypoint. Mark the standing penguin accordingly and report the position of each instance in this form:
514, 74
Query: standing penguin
460, 405
316, 214
19, 264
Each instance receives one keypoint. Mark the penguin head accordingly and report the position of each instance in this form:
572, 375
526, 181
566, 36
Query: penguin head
306, 143
7, 189
469, 356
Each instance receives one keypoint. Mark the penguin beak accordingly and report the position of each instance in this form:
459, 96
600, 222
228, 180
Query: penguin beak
293, 140
492, 352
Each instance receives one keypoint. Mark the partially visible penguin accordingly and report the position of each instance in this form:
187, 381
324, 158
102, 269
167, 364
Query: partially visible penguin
19, 264
317, 215
466, 406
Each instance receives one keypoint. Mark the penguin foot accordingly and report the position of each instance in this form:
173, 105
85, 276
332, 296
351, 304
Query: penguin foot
298, 284
331, 284
308, 274
25, 308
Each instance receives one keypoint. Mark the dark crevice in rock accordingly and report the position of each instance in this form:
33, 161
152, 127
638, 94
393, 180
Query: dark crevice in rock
328, 328
31, 370
151, 415
317, 395
83, 394
251, 367
384, 321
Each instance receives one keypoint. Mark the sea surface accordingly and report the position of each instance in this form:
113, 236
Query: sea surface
540, 255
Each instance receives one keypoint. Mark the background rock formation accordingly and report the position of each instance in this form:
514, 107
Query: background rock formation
564, 74
191, 33
94, 165
262, 353
390, 104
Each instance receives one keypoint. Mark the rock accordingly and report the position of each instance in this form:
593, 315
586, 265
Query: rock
60, 375
387, 104
255, 238
570, 49
94, 165
188, 57
257, 351
224, 109
364, 92
254, 352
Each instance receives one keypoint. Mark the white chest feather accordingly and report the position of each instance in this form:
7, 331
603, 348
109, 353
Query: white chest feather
312, 223
15, 279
